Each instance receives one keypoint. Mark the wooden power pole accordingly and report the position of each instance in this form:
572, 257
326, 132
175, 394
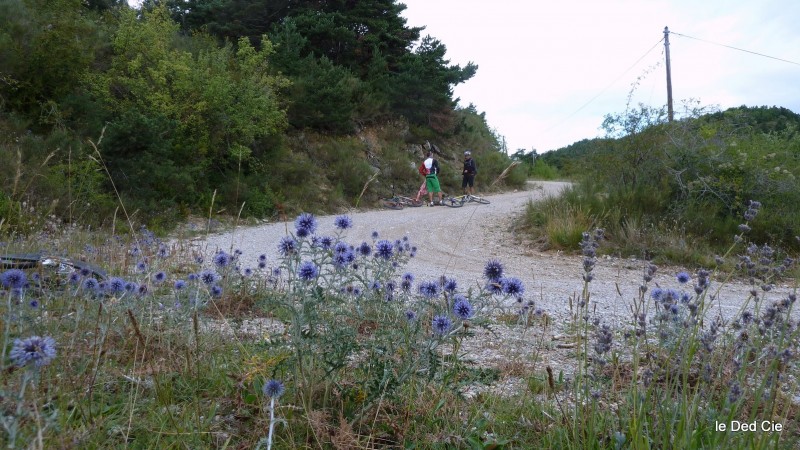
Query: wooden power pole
669, 75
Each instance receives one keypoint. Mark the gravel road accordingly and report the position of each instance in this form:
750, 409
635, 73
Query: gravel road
458, 242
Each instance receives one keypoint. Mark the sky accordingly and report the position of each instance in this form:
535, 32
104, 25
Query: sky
549, 72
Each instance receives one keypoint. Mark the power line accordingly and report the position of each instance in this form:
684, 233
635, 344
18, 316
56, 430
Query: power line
604, 89
735, 48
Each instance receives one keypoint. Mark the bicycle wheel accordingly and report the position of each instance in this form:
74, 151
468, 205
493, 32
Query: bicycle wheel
391, 204
453, 202
480, 200
407, 201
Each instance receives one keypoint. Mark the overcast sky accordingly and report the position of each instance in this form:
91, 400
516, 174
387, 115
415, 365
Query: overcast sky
548, 72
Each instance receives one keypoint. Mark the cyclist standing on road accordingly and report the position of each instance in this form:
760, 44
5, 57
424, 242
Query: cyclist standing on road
470, 169
432, 179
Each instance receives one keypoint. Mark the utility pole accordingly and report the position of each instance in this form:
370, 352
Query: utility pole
669, 76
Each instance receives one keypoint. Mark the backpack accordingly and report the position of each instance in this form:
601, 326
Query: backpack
422, 170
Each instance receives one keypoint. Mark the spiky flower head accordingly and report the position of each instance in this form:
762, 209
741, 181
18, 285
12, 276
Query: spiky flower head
493, 270
365, 249
115, 285
343, 222
450, 285
683, 277
209, 277
383, 249
305, 225
216, 290
513, 286
35, 350
159, 277
179, 285
90, 284
14, 279
222, 259
287, 246
273, 389
441, 324
429, 289
462, 308
410, 315
308, 271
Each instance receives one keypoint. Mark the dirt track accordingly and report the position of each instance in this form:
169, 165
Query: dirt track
457, 242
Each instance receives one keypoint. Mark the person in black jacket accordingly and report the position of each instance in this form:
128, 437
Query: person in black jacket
470, 169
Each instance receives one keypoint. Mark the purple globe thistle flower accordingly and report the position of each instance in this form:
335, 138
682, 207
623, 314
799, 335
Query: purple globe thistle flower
375, 235
159, 277
222, 259
683, 277
115, 285
408, 276
141, 267
326, 242
179, 285
276, 272
375, 285
216, 290
657, 294
287, 246
441, 324
14, 279
193, 277
262, 264
163, 251
305, 225
462, 308
450, 285
308, 271
383, 249
39, 351
74, 277
493, 270
494, 288
262, 258
341, 247
365, 249
209, 277
343, 222
405, 285
429, 289
90, 284
142, 290
513, 286
273, 389
131, 287
86, 272
410, 315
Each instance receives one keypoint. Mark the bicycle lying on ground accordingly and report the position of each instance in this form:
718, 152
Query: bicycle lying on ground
400, 201
459, 201
60, 264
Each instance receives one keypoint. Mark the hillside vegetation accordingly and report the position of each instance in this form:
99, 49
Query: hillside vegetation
679, 190
180, 108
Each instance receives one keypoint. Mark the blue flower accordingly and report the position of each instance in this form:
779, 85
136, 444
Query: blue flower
287, 246
163, 251
462, 308
683, 277
493, 270
383, 249
216, 290
248, 272
179, 285
657, 294
375, 235
141, 266
365, 249
305, 224
142, 290
375, 285
222, 259
14, 279
441, 324
429, 289
341, 247
208, 277
131, 287
343, 222
411, 315
39, 351
74, 277
408, 276
326, 242
513, 286
159, 277
262, 258
273, 389
450, 285
391, 285
115, 285
494, 288
90, 284
308, 271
